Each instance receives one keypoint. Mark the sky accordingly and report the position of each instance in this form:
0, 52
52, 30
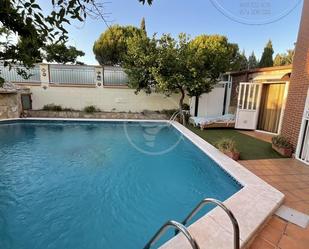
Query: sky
249, 23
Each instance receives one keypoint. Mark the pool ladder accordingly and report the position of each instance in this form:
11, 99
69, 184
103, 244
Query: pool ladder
181, 227
175, 114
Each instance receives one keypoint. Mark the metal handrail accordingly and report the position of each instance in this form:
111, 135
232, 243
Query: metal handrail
177, 226
227, 211
175, 114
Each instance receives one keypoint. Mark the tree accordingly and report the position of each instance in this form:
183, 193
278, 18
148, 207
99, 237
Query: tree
241, 61
279, 60
252, 61
111, 47
144, 1
267, 56
60, 53
143, 26
285, 58
141, 58
182, 66
24, 24
26, 21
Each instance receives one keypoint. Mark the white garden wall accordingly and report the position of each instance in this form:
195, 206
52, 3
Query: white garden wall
213, 104
107, 99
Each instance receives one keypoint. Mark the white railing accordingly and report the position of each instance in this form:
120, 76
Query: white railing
11, 75
115, 76
66, 74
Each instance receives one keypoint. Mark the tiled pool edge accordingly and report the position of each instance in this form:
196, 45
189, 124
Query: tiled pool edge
252, 205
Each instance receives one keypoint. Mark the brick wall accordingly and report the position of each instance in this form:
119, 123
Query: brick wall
299, 81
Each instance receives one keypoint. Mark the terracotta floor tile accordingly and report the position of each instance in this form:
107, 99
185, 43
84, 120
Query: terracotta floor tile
297, 232
271, 234
290, 178
300, 206
278, 223
273, 178
260, 243
290, 197
301, 185
300, 193
290, 243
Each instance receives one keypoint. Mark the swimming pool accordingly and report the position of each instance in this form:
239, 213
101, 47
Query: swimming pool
99, 184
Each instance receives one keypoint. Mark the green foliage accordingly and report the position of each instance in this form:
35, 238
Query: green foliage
52, 107
281, 142
250, 148
267, 56
144, 1
141, 58
285, 58
252, 61
241, 61
111, 47
171, 66
34, 28
185, 107
143, 26
171, 73
227, 145
91, 109
60, 53
1, 82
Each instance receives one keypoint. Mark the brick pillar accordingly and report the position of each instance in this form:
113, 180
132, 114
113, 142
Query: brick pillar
299, 81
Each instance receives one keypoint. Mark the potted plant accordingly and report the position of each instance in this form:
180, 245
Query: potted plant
228, 147
282, 146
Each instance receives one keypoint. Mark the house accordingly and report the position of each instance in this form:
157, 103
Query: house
276, 99
258, 98
295, 120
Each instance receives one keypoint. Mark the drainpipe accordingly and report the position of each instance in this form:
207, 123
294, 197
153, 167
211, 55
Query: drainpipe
196, 105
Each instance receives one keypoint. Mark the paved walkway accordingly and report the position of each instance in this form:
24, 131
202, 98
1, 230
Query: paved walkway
291, 177
279, 233
259, 135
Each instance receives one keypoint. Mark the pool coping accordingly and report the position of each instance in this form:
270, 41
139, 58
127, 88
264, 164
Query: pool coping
252, 205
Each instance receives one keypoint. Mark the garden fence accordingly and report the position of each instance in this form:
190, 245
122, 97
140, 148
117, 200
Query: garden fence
66, 74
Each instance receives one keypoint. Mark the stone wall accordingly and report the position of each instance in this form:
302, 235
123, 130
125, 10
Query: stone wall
10, 105
95, 115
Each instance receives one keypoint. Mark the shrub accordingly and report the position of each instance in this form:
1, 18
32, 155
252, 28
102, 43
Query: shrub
169, 112
68, 109
227, 145
1, 82
52, 107
91, 109
281, 142
185, 107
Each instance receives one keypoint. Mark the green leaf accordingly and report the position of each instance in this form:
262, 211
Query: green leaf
36, 6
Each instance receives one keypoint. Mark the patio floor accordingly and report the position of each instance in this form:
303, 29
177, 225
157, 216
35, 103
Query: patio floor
291, 177
259, 135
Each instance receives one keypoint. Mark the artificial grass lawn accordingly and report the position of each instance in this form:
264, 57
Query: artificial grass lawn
250, 148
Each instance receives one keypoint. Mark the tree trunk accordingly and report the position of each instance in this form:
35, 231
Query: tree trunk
180, 106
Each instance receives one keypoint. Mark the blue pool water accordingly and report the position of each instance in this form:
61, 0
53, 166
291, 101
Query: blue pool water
97, 185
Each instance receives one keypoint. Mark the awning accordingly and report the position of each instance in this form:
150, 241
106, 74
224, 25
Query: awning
271, 76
